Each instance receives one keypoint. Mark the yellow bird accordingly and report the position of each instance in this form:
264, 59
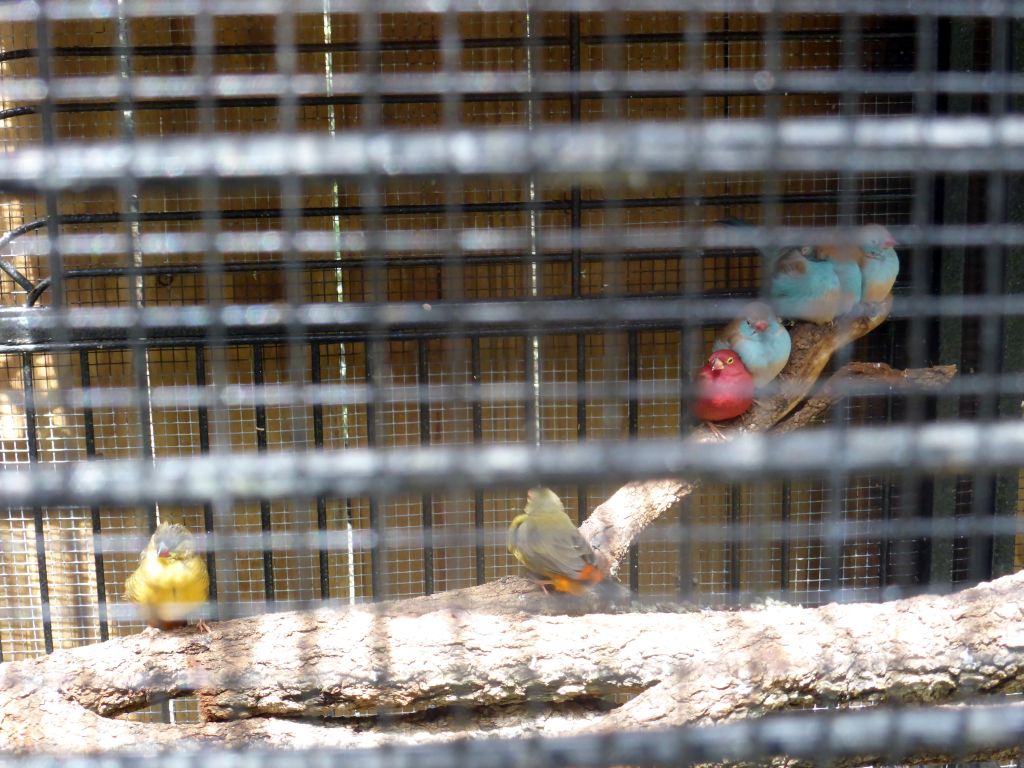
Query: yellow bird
171, 581
547, 542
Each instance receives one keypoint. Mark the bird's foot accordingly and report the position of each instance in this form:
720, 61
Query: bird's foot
873, 308
859, 310
203, 627
542, 583
715, 430
867, 309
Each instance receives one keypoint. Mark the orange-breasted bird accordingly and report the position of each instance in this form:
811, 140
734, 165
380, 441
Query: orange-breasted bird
171, 581
547, 542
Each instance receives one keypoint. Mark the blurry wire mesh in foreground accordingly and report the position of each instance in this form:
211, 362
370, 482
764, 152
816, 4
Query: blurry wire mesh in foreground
334, 286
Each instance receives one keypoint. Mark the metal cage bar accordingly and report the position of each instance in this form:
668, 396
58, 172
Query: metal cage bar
431, 285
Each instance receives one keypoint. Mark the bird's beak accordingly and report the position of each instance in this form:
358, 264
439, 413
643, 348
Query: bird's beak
717, 364
761, 325
163, 551
889, 242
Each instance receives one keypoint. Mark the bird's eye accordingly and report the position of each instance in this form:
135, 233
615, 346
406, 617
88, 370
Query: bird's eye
728, 361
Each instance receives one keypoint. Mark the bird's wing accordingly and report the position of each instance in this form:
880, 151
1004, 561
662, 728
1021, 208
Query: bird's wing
195, 587
133, 587
513, 533
563, 551
793, 262
729, 336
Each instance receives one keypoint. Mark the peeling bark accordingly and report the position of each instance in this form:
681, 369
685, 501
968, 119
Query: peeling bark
698, 668
834, 390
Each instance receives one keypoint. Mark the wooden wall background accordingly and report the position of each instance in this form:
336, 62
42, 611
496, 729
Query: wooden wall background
492, 42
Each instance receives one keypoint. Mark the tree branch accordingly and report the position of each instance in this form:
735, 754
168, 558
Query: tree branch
838, 386
697, 668
614, 525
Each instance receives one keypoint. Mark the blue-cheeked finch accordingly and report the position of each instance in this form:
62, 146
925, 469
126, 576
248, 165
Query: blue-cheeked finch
804, 285
879, 263
760, 340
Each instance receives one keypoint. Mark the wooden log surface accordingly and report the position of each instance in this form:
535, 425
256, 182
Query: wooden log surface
262, 674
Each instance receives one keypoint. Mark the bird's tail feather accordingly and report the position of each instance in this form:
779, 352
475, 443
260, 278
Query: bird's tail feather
732, 221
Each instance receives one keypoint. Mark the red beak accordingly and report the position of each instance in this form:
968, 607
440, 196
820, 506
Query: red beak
761, 325
717, 364
163, 551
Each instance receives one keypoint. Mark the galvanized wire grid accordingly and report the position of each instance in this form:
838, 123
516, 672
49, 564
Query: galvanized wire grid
288, 249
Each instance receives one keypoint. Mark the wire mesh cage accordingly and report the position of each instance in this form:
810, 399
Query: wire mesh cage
333, 284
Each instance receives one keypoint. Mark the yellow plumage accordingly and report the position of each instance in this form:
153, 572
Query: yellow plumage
171, 581
547, 542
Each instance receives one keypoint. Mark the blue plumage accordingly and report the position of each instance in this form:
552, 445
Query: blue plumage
759, 339
845, 261
879, 263
804, 286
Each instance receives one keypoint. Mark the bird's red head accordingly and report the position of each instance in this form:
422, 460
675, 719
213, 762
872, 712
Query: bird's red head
725, 361
725, 388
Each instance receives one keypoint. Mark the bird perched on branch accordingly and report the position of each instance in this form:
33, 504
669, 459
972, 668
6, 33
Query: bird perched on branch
171, 581
804, 285
879, 263
725, 389
802, 282
759, 339
867, 270
547, 542
845, 260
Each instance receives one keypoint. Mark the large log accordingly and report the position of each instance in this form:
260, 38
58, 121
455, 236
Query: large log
697, 667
